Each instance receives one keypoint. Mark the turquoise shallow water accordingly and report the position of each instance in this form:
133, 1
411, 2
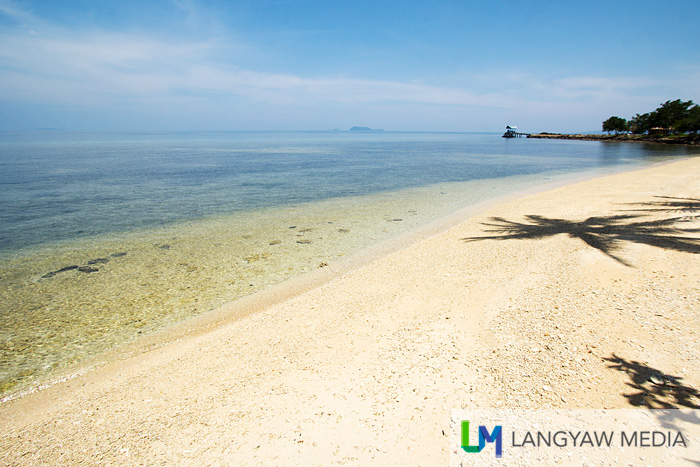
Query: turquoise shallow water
57, 186
105, 237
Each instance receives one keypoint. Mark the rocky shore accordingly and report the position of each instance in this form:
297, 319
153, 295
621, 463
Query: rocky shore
685, 139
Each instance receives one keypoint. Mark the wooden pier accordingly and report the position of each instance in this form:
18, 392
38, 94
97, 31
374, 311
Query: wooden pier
512, 132
515, 135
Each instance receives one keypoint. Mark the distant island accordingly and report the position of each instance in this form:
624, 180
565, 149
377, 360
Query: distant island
364, 129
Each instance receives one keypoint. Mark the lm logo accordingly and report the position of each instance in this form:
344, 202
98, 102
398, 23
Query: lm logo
484, 437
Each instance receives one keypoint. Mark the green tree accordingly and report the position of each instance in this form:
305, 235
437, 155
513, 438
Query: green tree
615, 124
670, 113
640, 124
675, 116
691, 123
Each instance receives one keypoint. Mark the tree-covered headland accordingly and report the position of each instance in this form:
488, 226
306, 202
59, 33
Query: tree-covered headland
670, 118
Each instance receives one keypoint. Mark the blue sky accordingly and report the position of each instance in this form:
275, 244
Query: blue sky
317, 65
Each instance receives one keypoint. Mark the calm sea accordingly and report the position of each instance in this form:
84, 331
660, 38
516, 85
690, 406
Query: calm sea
57, 186
107, 236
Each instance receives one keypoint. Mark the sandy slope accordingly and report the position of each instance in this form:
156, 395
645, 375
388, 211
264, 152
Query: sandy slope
577, 309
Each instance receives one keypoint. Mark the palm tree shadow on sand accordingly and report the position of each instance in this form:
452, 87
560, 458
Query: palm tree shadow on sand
607, 233
670, 204
653, 388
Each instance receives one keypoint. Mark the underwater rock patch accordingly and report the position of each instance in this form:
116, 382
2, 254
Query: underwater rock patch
87, 269
98, 261
53, 273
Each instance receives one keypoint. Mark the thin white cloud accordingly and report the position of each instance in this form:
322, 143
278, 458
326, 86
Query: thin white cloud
59, 65
42, 63
117, 64
15, 13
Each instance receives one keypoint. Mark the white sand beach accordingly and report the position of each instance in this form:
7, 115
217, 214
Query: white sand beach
575, 298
